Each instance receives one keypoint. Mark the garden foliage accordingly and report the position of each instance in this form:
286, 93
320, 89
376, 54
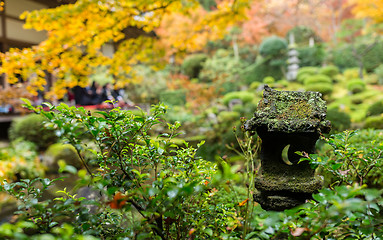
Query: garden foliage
150, 188
31, 128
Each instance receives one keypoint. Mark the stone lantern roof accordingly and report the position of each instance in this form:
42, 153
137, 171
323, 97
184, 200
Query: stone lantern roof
290, 111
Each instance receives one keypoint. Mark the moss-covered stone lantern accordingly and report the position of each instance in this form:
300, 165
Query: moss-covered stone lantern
287, 122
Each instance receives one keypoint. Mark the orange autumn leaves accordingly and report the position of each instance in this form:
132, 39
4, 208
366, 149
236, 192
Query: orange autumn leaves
118, 201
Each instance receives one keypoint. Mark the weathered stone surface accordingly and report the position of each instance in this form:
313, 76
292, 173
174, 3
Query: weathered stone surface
287, 122
290, 111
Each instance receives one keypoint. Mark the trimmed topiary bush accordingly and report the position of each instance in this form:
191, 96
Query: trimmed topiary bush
375, 109
31, 128
351, 73
173, 97
316, 79
330, 71
243, 95
254, 85
356, 99
340, 121
268, 80
305, 72
375, 122
193, 64
323, 88
273, 47
356, 85
228, 116
59, 151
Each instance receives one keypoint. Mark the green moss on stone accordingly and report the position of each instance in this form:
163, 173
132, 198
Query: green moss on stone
290, 111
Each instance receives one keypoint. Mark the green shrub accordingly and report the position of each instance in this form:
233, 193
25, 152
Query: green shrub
258, 71
193, 64
356, 99
31, 128
223, 66
340, 121
351, 73
305, 72
273, 47
59, 151
373, 58
344, 58
254, 85
20, 160
375, 122
281, 83
228, 116
311, 56
316, 79
375, 109
243, 95
379, 72
173, 97
356, 85
268, 80
330, 71
323, 88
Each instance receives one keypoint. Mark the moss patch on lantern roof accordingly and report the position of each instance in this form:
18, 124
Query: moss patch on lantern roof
290, 111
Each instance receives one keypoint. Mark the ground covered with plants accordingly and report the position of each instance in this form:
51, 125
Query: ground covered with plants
184, 168
138, 183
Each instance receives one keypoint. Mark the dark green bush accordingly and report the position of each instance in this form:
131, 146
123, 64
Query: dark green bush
193, 64
305, 72
173, 97
258, 71
356, 85
373, 58
375, 122
273, 51
344, 58
273, 47
375, 109
31, 128
311, 56
318, 78
340, 121
330, 71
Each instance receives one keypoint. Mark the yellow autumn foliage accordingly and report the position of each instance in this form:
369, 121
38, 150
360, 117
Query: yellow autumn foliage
372, 9
140, 31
